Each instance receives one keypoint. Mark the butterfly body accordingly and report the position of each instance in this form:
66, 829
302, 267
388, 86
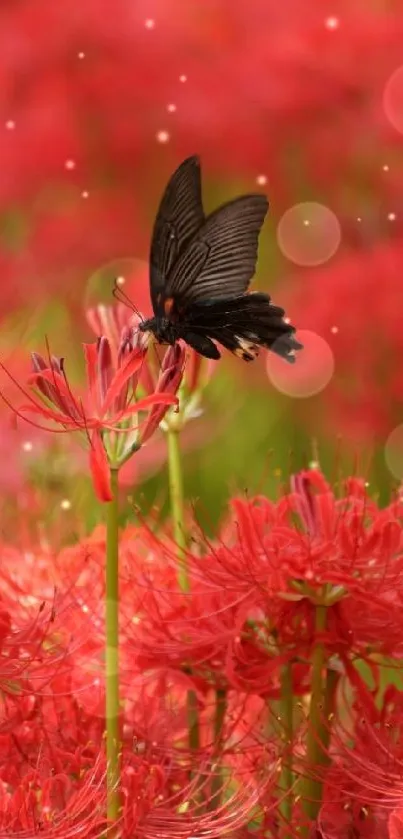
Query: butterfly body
164, 331
200, 270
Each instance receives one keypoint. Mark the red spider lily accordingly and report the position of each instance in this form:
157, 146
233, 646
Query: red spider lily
106, 420
55, 805
363, 791
219, 635
52, 770
346, 553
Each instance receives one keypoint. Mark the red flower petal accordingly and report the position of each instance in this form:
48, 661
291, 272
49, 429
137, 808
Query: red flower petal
395, 824
91, 363
146, 403
100, 468
128, 369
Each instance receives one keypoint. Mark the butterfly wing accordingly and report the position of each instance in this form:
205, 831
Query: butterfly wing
244, 324
180, 217
220, 260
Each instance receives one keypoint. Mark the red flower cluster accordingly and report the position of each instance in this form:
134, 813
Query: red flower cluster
205, 735
52, 776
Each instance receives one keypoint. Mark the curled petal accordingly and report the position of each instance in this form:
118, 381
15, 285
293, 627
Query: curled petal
105, 366
53, 385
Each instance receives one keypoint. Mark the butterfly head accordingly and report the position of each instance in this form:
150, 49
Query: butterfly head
163, 330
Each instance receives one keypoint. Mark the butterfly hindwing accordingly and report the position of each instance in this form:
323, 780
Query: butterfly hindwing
180, 216
244, 324
219, 262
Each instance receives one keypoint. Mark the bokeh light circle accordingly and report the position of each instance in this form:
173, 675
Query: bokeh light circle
309, 233
312, 371
129, 273
394, 452
393, 99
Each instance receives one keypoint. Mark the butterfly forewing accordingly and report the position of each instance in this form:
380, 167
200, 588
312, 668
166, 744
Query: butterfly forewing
180, 216
220, 260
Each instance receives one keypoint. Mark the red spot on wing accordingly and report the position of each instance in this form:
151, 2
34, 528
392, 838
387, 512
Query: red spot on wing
168, 306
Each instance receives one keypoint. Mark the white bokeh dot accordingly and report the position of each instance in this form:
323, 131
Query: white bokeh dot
391, 216
393, 99
171, 108
81, 55
65, 504
183, 78
84, 194
70, 164
10, 125
385, 167
309, 233
120, 280
394, 452
162, 136
27, 446
261, 180
332, 23
312, 371
149, 23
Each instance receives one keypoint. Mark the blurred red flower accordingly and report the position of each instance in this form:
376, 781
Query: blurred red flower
355, 304
94, 106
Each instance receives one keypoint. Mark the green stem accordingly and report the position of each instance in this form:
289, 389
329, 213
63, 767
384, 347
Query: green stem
318, 734
286, 777
219, 719
112, 652
178, 517
177, 507
193, 720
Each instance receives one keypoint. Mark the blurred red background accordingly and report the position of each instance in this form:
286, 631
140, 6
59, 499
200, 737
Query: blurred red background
303, 100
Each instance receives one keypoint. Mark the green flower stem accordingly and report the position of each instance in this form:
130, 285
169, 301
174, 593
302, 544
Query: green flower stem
193, 720
219, 719
318, 734
178, 517
286, 777
112, 652
177, 511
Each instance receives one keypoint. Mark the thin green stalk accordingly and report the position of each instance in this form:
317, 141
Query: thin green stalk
318, 726
193, 720
219, 719
286, 777
178, 517
112, 653
177, 509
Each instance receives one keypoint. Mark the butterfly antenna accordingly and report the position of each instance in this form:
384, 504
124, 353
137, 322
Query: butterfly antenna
122, 297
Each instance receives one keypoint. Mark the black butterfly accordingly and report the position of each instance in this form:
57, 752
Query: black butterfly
201, 267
